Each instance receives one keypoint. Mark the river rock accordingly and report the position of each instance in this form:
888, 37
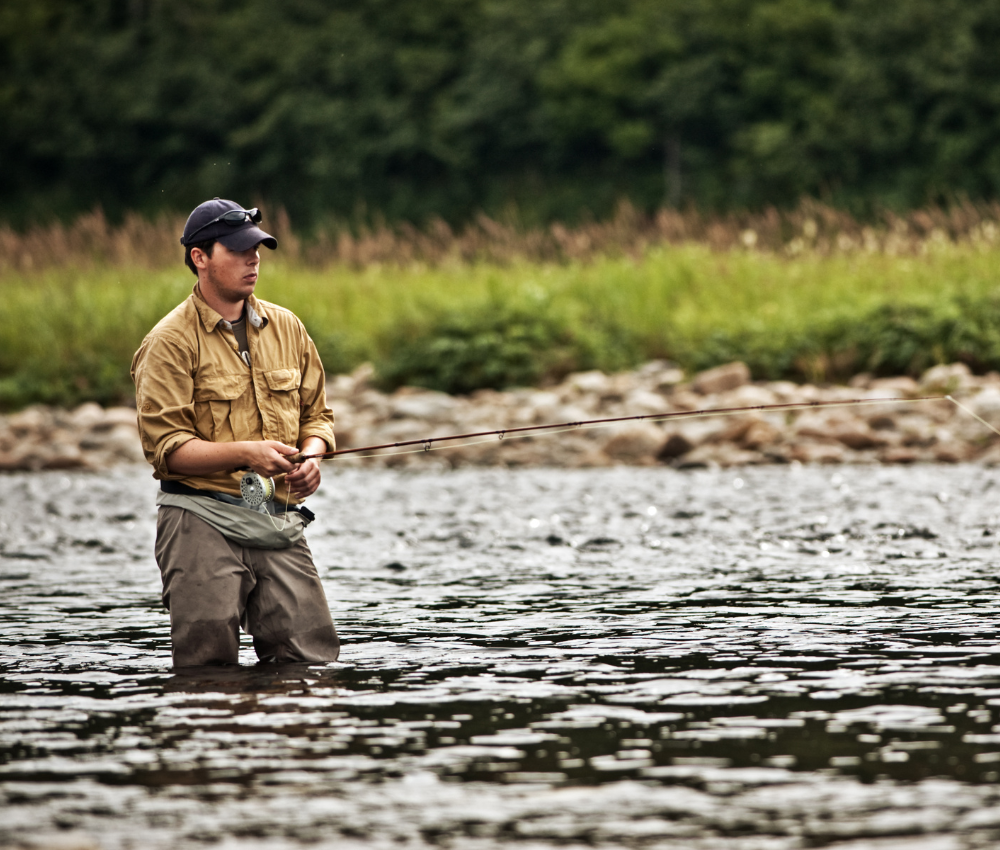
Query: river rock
89, 414
904, 431
35, 421
115, 416
814, 452
408, 403
760, 434
857, 435
946, 379
721, 379
637, 444
902, 387
953, 451
588, 382
723, 455
675, 446
65, 455
899, 454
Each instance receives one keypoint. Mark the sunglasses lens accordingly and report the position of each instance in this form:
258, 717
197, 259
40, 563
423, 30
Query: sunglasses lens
255, 215
233, 217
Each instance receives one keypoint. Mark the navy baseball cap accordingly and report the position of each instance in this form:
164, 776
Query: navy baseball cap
226, 222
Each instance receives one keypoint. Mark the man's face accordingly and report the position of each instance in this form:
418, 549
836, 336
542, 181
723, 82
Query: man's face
231, 275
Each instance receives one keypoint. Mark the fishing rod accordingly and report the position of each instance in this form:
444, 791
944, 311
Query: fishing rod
257, 489
427, 443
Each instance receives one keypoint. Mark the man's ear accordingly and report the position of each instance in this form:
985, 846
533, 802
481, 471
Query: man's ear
199, 258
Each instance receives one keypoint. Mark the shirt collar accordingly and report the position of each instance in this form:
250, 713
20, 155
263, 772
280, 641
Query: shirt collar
210, 319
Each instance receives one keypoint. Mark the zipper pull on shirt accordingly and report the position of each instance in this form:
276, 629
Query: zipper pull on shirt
239, 329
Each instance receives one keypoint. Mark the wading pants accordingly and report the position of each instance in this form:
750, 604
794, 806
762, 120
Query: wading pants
212, 586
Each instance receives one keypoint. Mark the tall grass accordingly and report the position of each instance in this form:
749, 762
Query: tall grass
809, 317
812, 227
809, 309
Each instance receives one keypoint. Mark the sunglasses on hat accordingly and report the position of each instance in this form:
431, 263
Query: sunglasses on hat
233, 218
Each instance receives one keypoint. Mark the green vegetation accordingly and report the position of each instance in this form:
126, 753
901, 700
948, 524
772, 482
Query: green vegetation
69, 336
409, 110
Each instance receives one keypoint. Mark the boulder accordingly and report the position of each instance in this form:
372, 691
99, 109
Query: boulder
721, 379
882, 422
901, 387
719, 454
810, 452
817, 425
119, 416
857, 435
986, 404
65, 455
637, 444
898, 454
760, 434
87, 415
861, 381
748, 395
643, 402
953, 451
675, 446
946, 379
340, 386
588, 382
35, 420
422, 404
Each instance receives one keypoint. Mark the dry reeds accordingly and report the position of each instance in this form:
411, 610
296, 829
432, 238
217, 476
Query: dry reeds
812, 227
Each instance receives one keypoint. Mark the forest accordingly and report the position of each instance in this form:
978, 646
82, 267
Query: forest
534, 110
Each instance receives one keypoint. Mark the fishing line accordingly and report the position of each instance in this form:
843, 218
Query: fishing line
256, 489
457, 440
973, 414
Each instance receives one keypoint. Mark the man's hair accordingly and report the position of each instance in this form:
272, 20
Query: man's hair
207, 246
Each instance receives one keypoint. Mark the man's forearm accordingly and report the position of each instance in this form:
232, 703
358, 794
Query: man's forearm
268, 457
201, 457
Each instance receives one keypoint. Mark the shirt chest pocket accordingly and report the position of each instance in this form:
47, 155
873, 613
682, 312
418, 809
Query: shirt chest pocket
215, 398
283, 397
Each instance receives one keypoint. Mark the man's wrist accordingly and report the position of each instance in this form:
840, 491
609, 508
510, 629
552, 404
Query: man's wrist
313, 445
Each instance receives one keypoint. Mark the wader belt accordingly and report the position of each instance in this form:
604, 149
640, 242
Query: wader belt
176, 488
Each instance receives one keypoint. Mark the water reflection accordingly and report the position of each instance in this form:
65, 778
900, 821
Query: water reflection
624, 657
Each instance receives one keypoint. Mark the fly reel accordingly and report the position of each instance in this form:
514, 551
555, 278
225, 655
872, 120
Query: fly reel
256, 489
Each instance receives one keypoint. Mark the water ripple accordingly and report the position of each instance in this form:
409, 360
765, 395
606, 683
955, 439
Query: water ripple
621, 658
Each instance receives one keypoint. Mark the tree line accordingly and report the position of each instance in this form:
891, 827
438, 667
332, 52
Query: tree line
406, 109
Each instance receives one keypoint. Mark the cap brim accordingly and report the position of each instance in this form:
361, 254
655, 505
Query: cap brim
246, 238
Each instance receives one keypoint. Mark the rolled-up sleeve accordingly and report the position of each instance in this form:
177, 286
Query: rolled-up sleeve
163, 370
315, 418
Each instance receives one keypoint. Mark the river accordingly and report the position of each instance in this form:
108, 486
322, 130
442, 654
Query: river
769, 658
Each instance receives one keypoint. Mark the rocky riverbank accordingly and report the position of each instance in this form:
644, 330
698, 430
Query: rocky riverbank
906, 431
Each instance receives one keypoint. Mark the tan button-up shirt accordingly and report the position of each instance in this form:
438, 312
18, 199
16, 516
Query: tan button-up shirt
191, 383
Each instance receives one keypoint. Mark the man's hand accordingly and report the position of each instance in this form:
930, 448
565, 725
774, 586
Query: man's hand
265, 457
268, 457
304, 479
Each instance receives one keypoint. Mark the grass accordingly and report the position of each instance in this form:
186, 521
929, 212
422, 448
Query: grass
69, 333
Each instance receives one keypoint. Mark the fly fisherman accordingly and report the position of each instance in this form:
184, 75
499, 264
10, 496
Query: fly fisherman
225, 383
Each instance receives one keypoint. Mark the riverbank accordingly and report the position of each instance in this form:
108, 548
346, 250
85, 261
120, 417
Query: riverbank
903, 430
806, 312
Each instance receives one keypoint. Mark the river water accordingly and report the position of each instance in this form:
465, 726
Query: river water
767, 658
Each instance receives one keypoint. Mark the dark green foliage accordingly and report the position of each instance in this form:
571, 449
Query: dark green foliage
495, 347
492, 346
893, 339
409, 109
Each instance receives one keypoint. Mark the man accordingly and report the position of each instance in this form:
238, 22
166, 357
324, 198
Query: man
226, 382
